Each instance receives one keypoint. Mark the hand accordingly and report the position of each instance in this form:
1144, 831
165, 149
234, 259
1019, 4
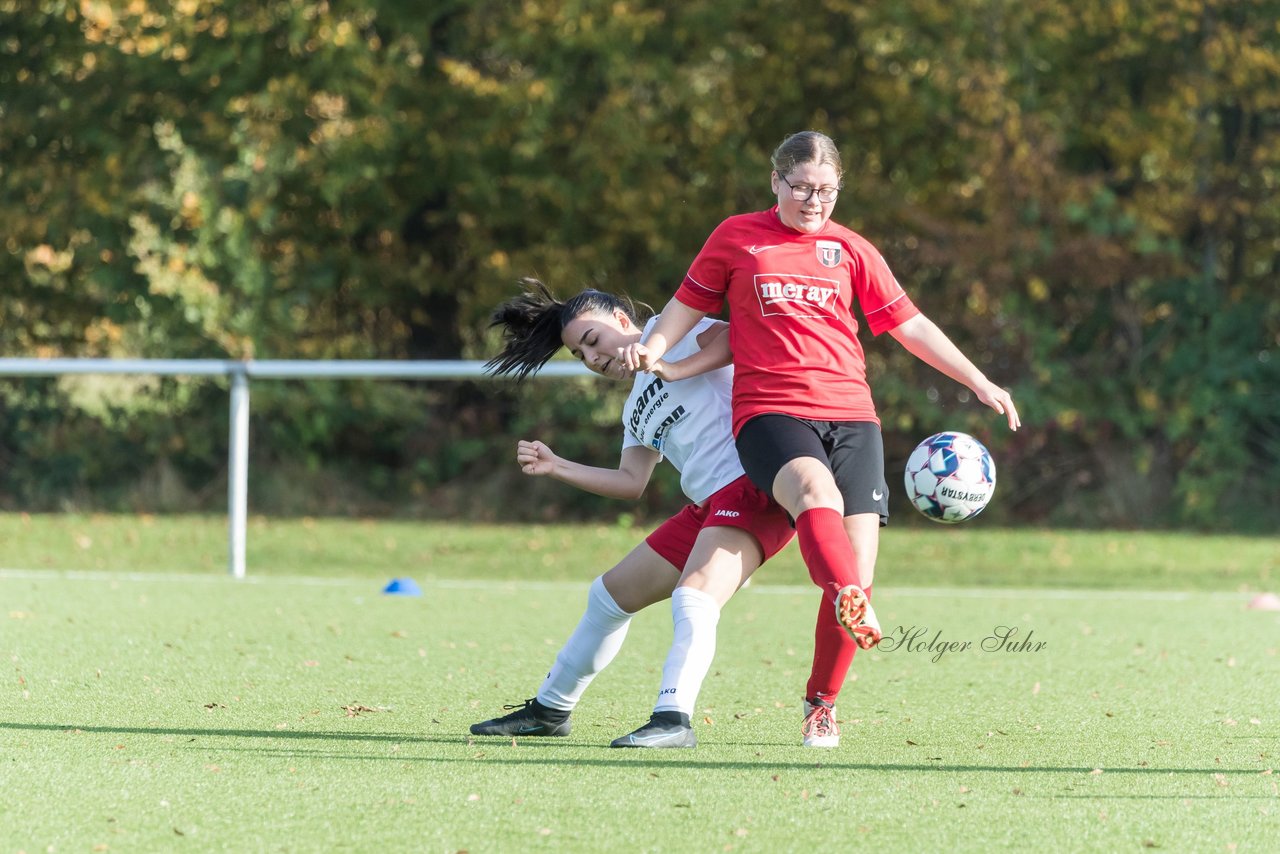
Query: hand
639, 357
1001, 401
668, 372
535, 458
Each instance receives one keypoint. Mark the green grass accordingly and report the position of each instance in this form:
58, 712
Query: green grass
909, 556
303, 711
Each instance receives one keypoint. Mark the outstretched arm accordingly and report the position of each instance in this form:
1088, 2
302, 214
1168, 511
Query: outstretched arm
923, 339
714, 353
673, 324
628, 480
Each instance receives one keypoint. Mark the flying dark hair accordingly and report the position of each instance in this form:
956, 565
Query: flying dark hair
532, 322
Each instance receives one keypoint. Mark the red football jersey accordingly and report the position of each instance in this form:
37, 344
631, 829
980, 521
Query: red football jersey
791, 323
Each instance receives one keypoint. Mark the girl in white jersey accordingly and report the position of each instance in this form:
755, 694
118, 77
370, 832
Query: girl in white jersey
698, 558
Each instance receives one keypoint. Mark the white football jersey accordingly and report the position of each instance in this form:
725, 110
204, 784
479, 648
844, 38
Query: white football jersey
689, 422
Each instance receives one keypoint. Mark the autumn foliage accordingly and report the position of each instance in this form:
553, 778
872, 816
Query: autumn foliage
1084, 195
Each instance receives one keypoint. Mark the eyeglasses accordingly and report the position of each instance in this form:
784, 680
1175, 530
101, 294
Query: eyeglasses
803, 192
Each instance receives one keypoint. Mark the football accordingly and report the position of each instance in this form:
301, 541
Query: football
950, 477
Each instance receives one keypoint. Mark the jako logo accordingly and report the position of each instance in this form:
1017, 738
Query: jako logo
800, 296
732, 514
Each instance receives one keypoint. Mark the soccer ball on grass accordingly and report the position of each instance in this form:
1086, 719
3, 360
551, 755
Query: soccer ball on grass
950, 477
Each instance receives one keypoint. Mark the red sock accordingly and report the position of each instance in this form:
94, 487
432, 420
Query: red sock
833, 651
826, 550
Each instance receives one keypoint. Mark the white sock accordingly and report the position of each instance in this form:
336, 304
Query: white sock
694, 615
589, 650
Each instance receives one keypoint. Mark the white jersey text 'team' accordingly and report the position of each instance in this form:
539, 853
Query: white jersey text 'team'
689, 422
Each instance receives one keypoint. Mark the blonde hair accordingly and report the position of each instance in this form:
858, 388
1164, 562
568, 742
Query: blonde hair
808, 146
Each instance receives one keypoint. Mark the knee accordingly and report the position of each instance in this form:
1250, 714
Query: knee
804, 489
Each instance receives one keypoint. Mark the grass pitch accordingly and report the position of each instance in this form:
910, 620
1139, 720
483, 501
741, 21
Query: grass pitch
146, 710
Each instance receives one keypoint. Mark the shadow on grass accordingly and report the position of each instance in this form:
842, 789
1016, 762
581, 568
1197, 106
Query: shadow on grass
617, 758
688, 759
239, 733
1224, 796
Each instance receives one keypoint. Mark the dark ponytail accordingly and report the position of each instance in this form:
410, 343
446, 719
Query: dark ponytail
532, 322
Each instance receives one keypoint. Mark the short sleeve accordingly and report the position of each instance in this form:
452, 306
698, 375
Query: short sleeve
884, 303
705, 285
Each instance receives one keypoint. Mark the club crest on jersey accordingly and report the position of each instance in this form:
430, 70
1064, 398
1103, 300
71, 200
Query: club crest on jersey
829, 253
798, 296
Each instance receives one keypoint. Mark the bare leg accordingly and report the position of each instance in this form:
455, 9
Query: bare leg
640, 579
863, 530
804, 484
723, 558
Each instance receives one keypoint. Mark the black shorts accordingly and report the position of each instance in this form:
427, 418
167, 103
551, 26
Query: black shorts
852, 450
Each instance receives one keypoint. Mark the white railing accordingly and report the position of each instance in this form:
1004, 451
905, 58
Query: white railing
267, 369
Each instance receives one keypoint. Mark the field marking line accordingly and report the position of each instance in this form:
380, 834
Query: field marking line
371, 585
180, 577
1061, 593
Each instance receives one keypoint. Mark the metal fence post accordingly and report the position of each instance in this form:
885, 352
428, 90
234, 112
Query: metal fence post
238, 471
278, 369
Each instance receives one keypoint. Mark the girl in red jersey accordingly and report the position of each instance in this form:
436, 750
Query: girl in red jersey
803, 418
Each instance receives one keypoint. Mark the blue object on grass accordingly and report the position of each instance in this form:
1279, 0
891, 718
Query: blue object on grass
403, 587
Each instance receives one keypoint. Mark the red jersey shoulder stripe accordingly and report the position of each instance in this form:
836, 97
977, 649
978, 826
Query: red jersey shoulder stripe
900, 296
